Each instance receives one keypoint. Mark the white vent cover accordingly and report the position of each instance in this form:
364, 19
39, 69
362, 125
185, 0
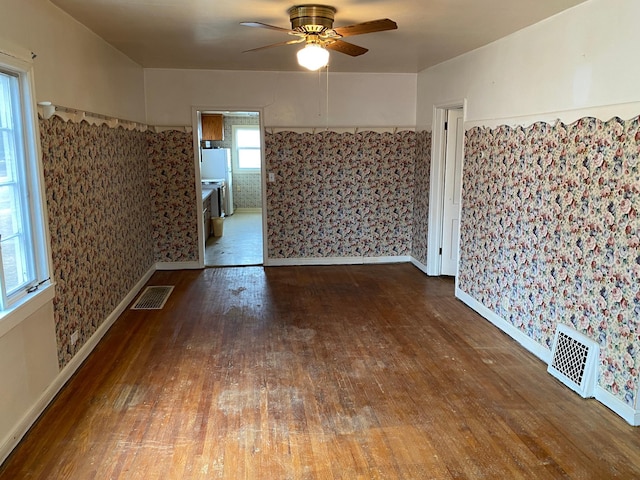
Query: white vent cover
574, 360
153, 298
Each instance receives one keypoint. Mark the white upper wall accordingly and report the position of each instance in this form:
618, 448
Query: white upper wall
289, 99
582, 58
74, 67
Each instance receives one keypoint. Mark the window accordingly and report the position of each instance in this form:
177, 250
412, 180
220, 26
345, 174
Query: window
23, 258
246, 141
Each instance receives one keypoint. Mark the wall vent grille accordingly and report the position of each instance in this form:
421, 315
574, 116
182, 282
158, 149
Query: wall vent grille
574, 360
153, 298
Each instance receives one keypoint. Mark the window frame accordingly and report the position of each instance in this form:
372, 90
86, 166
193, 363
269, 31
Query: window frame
14, 307
236, 148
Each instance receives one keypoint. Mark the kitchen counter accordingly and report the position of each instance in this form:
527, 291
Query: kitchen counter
207, 191
210, 201
209, 188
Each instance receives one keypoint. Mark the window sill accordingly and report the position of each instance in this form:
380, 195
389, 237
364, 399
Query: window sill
25, 307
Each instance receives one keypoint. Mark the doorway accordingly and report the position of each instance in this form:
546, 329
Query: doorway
445, 189
229, 170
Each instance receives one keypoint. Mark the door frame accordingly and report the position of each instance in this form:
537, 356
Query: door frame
196, 112
436, 182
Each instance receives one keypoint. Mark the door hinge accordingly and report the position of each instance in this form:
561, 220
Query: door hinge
440, 252
446, 126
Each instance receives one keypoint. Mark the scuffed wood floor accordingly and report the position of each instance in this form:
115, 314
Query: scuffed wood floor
346, 372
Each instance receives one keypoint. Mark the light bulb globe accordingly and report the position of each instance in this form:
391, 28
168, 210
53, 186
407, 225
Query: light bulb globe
313, 56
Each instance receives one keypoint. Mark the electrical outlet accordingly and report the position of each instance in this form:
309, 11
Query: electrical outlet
272, 177
74, 338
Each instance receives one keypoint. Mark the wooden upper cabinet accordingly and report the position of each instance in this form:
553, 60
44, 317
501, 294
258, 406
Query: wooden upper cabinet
212, 127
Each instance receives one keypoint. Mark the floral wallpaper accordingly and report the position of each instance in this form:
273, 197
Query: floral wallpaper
421, 196
340, 194
550, 233
118, 201
174, 215
98, 201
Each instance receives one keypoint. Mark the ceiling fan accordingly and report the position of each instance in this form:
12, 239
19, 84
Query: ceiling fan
313, 25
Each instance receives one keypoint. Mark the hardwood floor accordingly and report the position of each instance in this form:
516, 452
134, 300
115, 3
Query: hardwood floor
345, 372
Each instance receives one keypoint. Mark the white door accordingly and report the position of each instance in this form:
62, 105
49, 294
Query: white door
452, 191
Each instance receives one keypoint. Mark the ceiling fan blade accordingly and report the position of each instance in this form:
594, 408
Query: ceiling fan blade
264, 25
346, 47
366, 27
290, 42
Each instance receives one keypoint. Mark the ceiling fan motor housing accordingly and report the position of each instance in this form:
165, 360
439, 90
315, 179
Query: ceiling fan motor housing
311, 18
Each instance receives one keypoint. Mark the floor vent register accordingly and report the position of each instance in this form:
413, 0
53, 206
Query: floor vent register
153, 298
574, 360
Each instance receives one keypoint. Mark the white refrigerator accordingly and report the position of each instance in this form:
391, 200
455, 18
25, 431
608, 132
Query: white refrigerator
216, 167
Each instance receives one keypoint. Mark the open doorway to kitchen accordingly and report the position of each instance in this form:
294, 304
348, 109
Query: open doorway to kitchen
230, 166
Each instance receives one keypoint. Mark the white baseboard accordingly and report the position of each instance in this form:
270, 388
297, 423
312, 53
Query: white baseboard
628, 413
531, 345
178, 266
388, 259
25, 423
283, 262
421, 266
248, 210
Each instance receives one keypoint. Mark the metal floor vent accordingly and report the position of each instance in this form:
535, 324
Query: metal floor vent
574, 360
153, 298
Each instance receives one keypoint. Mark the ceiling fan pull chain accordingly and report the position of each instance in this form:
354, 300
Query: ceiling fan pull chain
327, 97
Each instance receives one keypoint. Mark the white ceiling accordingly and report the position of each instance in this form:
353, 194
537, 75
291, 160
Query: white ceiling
206, 34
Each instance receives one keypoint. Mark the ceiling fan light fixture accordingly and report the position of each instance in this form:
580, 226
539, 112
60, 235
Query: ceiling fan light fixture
313, 56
